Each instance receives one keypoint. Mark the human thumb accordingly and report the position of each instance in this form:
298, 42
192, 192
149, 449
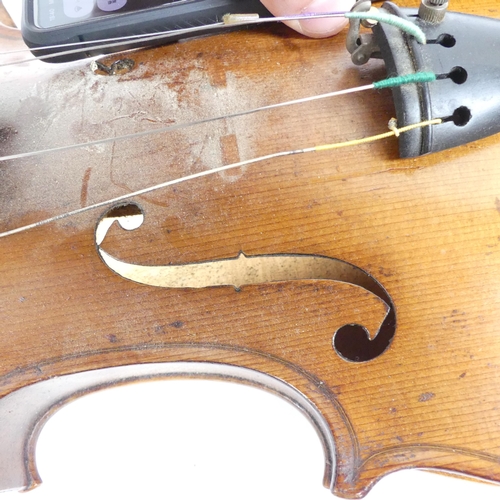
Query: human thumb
316, 28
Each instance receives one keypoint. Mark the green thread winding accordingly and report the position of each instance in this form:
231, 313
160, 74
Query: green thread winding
398, 22
397, 81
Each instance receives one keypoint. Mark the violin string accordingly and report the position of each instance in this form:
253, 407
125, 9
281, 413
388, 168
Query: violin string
394, 132
421, 77
402, 24
167, 33
180, 126
140, 38
102, 41
238, 20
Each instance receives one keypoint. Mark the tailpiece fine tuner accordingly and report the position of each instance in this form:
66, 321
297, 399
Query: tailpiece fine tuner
461, 49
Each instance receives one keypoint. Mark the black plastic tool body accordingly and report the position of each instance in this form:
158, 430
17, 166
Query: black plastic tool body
171, 16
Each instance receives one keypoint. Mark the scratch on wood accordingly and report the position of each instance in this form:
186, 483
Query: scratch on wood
85, 187
230, 153
426, 396
229, 149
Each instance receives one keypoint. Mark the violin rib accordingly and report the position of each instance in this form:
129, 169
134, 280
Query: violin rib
24, 412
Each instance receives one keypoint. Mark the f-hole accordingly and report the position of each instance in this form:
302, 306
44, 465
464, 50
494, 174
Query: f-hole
352, 342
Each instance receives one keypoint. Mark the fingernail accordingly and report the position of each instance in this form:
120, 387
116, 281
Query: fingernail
328, 26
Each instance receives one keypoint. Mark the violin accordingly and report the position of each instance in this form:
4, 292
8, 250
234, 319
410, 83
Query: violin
358, 285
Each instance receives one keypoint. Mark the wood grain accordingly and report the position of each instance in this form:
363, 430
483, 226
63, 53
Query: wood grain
427, 230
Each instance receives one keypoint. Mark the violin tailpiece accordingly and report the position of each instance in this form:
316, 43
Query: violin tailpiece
465, 97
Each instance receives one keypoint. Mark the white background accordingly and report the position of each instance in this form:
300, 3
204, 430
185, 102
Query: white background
195, 439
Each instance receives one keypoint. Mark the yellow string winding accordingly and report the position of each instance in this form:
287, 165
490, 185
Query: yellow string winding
326, 147
394, 132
